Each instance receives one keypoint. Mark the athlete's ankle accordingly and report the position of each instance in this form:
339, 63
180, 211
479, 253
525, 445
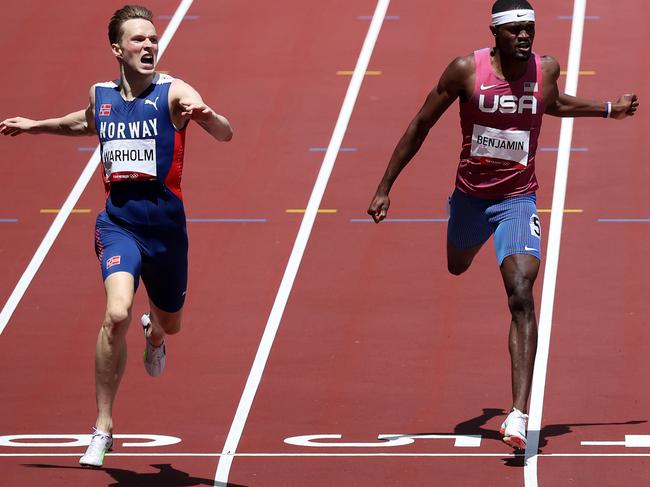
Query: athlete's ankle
104, 425
157, 335
153, 332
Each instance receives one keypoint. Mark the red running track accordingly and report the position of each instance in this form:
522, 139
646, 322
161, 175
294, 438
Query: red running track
376, 337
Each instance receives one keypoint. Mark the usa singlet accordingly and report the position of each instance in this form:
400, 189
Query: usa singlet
500, 125
142, 155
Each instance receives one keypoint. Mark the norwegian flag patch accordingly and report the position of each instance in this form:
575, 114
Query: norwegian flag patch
115, 260
105, 110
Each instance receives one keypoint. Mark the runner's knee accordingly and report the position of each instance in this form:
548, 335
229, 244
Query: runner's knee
457, 267
173, 327
520, 301
170, 323
118, 315
458, 261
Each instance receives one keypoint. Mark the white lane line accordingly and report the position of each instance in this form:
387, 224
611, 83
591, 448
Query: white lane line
79, 187
347, 455
553, 251
255, 375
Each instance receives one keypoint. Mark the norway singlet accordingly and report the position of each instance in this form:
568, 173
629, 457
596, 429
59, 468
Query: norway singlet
500, 125
142, 155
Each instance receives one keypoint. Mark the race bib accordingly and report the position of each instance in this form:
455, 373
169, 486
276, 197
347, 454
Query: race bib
129, 159
503, 145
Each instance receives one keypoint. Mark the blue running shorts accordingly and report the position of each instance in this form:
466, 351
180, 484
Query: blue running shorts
513, 221
158, 255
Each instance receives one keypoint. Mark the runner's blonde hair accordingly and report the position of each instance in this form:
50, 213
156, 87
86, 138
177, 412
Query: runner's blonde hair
120, 16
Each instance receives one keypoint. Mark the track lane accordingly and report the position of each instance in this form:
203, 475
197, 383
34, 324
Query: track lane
595, 390
331, 404
235, 268
352, 357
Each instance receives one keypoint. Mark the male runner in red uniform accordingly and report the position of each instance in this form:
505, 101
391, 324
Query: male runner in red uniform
503, 92
140, 120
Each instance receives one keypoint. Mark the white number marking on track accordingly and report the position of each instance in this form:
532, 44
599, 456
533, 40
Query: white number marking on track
392, 440
71, 440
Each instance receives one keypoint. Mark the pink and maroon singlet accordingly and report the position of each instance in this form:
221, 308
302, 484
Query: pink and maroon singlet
500, 124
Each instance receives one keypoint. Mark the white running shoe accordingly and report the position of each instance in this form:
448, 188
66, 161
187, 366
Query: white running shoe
154, 357
513, 429
100, 443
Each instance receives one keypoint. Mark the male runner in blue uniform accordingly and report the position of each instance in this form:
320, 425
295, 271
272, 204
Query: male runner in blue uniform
140, 120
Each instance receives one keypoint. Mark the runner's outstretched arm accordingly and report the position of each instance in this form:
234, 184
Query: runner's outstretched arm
449, 88
75, 123
563, 105
188, 105
570, 106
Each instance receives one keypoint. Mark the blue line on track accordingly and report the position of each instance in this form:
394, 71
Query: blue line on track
402, 220
8, 220
187, 17
85, 149
555, 149
227, 220
324, 149
624, 220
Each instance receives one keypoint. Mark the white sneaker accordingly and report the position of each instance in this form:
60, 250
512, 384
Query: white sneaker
154, 357
100, 443
513, 429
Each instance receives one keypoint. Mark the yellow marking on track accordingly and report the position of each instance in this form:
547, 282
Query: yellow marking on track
56, 210
583, 73
368, 73
566, 210
298, 210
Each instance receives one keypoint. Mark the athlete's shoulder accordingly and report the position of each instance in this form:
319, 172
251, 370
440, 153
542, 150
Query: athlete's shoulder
111, 85
459, 71
463, 64
458, 77
550, 66
163, 79
180, 89
105, 84
178, 83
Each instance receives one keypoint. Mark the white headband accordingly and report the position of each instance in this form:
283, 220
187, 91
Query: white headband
513, 16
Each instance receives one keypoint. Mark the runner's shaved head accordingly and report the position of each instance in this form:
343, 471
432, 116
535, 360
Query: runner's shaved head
506, 5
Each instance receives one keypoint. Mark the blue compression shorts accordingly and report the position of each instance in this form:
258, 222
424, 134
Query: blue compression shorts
158, 255
513, 221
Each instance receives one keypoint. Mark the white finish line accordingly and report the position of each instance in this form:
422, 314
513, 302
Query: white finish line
334, 455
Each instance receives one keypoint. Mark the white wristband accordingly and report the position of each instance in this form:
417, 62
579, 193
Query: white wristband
608, 109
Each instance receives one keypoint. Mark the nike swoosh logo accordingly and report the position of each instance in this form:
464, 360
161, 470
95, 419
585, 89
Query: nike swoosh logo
526, 247
520, 15
487, 87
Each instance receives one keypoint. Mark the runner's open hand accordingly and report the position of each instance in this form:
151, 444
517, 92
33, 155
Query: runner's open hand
17, 125
198, 112
625, 106
379, 207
